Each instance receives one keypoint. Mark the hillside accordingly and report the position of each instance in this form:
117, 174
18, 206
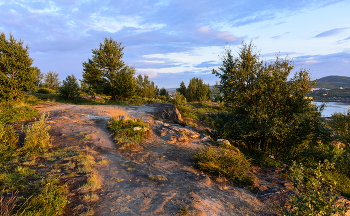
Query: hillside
333, 82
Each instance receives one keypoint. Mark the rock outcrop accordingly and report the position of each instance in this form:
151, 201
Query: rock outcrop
166, 112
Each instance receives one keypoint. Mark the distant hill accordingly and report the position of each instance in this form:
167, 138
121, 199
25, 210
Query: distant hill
333, 82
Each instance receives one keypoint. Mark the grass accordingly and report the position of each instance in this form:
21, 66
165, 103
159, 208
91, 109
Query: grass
129, 134
158, 177
31, 169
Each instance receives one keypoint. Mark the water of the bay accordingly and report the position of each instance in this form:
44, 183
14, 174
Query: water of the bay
332, 107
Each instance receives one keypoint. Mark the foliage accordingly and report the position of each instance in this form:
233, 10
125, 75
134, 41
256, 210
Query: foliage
182, 90
179, 99
70, 88
39, 77
163, 92
37, 138
16, 73
266, 110
8, 142
225, 163
315, 196
46, 91
145, 87
216, 94
51, 200
340, 124
12, 111
51, 80
129, 133
107, 73
197, 90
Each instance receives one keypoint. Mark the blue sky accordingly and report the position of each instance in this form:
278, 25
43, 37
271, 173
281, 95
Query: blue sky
175, 40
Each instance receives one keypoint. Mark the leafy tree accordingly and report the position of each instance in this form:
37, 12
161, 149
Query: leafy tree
266, 110
145, 87
70, 88
107, 73
51, 80
163, 92
341, 125
39, 77
182, 90
197, 90
16, 73
216, 94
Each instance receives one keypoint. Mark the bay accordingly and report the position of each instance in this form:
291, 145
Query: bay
332, 107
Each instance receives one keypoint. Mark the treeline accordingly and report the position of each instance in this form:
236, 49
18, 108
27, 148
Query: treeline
105, 73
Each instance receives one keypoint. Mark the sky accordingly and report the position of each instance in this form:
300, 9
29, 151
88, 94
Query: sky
175, 40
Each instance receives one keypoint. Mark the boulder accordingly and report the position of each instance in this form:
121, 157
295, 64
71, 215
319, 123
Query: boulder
166, 111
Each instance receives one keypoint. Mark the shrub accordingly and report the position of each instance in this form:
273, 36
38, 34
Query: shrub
11, 112
315, 195
8, 141
70, 88
37, 137
224, 162
46, 91
128, 133
51, 200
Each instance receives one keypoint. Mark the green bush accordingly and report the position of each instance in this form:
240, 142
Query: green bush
315, 195
70, 88
129, 133
46, 91
11, 112
8, 142
37, 137
51, 200
225, 163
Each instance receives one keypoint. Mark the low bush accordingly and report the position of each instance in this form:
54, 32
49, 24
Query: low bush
46, 91
129, 133
37, 137
13, 111
8, 141
225, 163
315, 194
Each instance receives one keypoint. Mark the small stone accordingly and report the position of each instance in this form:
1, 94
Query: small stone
225, 141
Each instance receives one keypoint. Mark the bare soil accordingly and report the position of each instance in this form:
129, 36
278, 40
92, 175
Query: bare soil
159, 179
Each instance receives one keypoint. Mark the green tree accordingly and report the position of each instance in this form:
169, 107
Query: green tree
107, 73
70, 88
51, 80
145, 87
16, 73
266, 110
39, 77
163, 92
216, 94
197, 90
182, 90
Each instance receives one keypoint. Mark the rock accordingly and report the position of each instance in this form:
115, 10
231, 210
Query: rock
205, 138
167, 111
137, 128
188, 132
225, 141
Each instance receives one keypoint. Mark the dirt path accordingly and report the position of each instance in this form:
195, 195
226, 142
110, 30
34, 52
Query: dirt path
158, 180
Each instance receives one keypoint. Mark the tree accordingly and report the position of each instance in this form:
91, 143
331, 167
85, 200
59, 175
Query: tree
70, 88
163, 92
197, 90
16, 73
266, 110
107, 73
39, 77
145, 87
182, 90
51, 80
